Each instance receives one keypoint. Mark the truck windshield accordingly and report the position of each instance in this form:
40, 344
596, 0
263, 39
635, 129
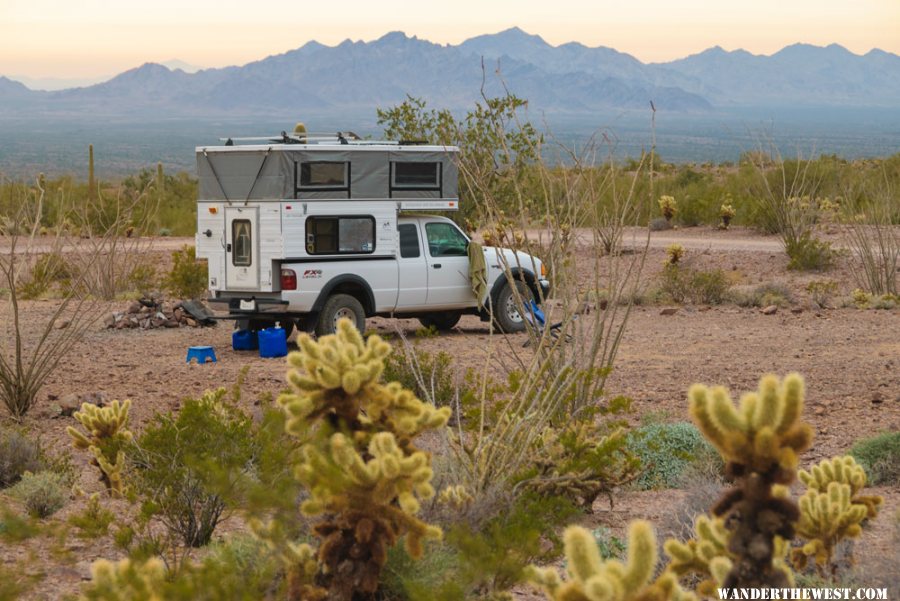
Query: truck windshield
444, 240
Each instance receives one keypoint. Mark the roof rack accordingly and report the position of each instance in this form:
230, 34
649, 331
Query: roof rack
341, 137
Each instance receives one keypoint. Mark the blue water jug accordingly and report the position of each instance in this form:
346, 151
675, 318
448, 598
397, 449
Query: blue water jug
272, 342
244, 340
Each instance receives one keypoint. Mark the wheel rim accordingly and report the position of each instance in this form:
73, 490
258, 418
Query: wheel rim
344, 312
512, 312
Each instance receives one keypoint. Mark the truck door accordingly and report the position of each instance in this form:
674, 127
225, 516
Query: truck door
448, 266
413, 281
241, 248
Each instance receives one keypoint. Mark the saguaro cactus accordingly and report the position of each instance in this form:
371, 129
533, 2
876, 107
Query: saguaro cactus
592, 579
363, 471
760, 441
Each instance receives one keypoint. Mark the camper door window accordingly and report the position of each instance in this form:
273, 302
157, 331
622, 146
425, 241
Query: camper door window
325, 176
340, 235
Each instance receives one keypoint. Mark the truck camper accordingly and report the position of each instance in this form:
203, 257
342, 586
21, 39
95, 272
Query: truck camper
304, 229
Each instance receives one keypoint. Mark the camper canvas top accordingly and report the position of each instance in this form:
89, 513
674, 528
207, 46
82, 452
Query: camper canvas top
329, 170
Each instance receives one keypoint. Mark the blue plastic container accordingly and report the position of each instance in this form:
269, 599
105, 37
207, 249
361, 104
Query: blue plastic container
272, 342
244, 340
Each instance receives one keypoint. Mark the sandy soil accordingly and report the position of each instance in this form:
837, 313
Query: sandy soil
850, 358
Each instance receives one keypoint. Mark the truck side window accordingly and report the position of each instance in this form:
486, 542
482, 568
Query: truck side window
409, 241
340, 235
444, 240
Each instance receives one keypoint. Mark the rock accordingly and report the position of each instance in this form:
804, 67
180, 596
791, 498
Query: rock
877, 398
62, 325
796, 310
145, 310
121, 325
669, 311
109, 321
171, 323
190, 322
69, 405
134, 307
770, 310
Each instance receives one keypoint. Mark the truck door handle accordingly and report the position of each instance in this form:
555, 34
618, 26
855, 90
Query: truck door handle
228, 248
437, 265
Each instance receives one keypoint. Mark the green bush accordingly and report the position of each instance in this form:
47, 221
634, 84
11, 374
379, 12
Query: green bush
431, 376
189, 277
18, 455
47, 270
810, 254
680, 284
667, 451
765, 295
43, 493
880, 457
94, 521
186, 465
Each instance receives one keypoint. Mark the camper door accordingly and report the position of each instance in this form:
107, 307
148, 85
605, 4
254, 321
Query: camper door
242, 248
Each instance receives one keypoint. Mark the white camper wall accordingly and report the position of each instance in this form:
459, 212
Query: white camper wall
295, 213
271, 245
211, 216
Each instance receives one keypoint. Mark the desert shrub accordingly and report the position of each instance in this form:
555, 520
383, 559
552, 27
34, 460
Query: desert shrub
47, 270
680, 283
405, 578
764, 295
177, 460
666, 451
822, 291
18, 455
659, 224
880, 457
143, 278
610, 546
43, 493
493, 557
94, 521
188, 277
14, 582
807, 253
431, 376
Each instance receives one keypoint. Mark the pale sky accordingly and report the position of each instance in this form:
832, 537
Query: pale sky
93, 38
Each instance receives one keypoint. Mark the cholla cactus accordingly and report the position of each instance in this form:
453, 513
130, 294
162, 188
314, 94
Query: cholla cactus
675, 252
361, 467
106, 434
592, 579
759, 440
843, 470
826, 517
456, 497
668, 207
126, 580
726, 214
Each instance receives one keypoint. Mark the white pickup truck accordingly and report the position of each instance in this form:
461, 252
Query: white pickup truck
428, 279
304, 230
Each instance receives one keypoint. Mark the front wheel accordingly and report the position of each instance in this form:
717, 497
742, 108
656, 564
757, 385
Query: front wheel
337, 307
506, 311
441, 321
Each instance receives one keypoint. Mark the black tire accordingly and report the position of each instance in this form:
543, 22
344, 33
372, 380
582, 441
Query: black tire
506, 313
441, 321
337, 306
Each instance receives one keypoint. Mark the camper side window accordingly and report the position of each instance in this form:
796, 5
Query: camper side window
416, 176
324, 176
241, 238
340, 235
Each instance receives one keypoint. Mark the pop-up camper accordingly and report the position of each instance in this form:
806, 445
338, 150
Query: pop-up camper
306, 229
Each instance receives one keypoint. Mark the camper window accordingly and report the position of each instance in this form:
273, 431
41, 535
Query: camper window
331, 176
240, 236
340, 235
416, 176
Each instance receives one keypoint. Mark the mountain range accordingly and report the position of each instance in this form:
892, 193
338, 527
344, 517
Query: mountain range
566, 79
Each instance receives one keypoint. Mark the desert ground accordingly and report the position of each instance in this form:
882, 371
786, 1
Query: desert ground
849, 357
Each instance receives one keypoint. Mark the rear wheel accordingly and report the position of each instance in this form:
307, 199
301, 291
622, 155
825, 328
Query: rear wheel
441, 321
506, 311
338, 307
